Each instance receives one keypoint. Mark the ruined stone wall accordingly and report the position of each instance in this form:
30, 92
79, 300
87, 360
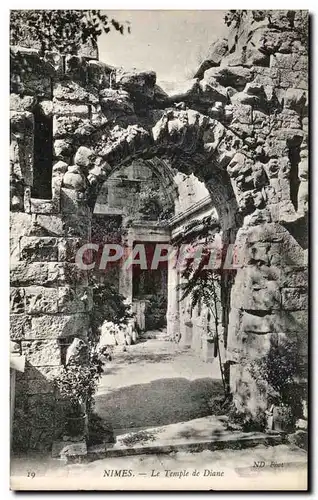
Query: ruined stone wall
240, 126
269, 298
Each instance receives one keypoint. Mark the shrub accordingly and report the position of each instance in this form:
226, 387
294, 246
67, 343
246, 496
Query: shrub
156, 312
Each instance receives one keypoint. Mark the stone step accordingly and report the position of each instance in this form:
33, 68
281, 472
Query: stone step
207, 433
236, 441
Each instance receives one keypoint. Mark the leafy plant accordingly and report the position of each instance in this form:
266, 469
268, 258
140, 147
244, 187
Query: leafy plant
108, 305
203, 286
77, 383
277, 371
61, 30
156, 312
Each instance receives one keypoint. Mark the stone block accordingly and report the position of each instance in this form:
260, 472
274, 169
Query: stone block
22, 103
74, 92
212, 92
288, 118
62, 108
213, 57
84, 157
74, 300
287, 253
303, 170
38, 206
295, 99
35, 273
43, 374
290, 322
46, 108
36, 249
266, 76
234, 76
69, 449
41, 300
293, 79
37, 385
42, 352
294, 299
255, 346
115, 102
99, 74
21, 224
262, 299
55, 59
47, 225
20, 325
48, 326
290, 62
74, 179
63, 148
17, 300
281, 19
242, 113
268, 232
294, 278
70, 126
139, 83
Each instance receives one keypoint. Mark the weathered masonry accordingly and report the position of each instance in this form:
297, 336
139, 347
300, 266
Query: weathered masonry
240, 126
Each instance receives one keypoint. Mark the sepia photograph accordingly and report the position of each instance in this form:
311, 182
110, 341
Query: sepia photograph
159, 250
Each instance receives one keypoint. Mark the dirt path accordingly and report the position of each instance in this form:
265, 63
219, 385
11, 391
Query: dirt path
156, 383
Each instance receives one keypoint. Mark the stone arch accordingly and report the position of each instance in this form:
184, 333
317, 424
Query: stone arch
191, 142
251, 197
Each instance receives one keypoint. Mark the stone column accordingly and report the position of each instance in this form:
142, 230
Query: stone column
126, 272
173, 322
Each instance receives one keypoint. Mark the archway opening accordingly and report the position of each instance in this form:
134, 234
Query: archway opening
172, 357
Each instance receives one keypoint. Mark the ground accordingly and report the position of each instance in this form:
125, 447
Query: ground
156, 382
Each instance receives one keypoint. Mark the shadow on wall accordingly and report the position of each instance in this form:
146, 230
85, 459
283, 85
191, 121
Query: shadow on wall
39, 413
299, 231
161, 402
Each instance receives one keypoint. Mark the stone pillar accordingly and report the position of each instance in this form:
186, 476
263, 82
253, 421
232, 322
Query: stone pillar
126, 272
185, 317
173, 322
